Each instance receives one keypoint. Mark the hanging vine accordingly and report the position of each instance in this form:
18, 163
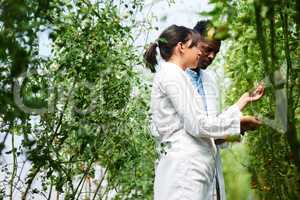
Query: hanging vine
264, 38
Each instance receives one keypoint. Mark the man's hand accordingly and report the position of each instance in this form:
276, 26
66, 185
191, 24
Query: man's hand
249, 123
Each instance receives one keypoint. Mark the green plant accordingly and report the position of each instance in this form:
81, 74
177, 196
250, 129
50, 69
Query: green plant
264, 38
81, 111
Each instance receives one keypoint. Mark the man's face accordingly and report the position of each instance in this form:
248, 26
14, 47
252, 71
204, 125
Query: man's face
209, 50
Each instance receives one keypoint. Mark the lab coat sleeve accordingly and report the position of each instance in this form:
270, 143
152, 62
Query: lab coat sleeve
187, 104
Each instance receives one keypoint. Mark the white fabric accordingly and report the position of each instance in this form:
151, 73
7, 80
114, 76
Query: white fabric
186, 171
212, 92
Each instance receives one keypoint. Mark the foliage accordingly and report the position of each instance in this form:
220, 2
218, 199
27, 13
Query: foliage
82, 113
82, 108
235, 172
264, 38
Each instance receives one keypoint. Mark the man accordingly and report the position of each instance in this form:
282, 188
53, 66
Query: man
206, 85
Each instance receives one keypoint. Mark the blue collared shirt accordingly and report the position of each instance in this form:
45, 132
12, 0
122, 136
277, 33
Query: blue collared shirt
196, 78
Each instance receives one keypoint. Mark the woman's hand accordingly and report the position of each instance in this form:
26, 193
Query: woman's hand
257, 93
251, 96
249, 123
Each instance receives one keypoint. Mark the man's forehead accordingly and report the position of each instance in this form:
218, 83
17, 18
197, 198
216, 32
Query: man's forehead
210, 43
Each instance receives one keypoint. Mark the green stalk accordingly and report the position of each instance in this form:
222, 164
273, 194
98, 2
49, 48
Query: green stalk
29, 182
100, 183
291, 129
260, 37
13, 174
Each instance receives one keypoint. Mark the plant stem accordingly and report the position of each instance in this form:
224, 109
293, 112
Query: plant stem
83, 177
14, 165
36, 171
291, 129
100, 183
50, 192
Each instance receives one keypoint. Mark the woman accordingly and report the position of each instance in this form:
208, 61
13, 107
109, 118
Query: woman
186, 169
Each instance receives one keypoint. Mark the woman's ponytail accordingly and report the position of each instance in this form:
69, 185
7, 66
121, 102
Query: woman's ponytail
150, 57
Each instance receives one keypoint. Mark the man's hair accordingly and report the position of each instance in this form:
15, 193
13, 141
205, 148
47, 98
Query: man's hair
202, 27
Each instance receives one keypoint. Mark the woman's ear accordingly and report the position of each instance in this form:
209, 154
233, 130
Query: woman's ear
180, 47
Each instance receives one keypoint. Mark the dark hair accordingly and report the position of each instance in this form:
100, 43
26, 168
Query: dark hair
202, 27
166, 42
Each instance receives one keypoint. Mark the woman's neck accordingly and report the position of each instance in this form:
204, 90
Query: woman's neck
177, 61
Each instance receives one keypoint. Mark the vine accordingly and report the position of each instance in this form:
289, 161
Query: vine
267, 50
82, 110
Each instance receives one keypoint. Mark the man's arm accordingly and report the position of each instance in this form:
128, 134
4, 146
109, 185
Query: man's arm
248, 123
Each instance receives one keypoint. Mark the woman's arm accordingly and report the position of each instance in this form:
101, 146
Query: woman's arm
187, 104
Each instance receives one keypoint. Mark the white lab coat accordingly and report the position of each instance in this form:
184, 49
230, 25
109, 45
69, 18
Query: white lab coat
186, 170
212, 95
